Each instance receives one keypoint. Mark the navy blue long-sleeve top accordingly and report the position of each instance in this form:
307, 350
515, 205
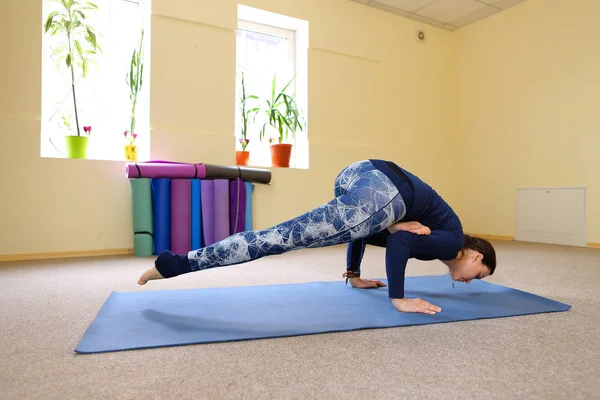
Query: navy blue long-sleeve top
424, 205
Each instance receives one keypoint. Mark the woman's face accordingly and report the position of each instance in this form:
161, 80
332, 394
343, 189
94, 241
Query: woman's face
469, 267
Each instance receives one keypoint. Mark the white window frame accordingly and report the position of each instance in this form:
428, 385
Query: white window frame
295, 31
52, 148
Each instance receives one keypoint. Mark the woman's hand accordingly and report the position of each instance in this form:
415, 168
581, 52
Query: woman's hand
415, 305
365, 283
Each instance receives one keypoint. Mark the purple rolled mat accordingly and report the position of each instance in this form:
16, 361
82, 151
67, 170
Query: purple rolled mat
207, 192
181, 228
165, 169
174, 170
221, 211
237, 206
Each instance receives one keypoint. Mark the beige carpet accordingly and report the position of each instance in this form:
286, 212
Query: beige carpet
47, 306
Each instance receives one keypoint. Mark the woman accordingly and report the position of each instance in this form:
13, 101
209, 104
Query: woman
377, 203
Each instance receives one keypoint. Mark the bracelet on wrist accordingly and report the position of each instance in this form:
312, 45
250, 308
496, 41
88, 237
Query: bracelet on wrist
350, 274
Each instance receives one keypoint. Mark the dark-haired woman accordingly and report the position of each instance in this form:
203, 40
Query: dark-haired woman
376, 202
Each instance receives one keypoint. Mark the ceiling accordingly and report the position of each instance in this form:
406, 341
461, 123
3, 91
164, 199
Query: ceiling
447, 14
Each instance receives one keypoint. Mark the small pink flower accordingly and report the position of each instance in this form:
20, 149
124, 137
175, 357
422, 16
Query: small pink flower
125, 133
134, 135
87, 128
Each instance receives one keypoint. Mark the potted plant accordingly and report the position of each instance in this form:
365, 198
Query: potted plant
131, 153
241, 157
79, 45
134, 81
283, 115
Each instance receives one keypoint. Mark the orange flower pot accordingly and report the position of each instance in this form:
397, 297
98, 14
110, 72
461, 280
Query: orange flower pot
241, 157
280, 155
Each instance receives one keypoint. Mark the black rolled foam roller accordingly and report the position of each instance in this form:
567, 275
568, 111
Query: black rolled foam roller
245, 173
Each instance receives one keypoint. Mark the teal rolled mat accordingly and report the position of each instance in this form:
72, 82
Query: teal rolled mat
249, 191
141, 203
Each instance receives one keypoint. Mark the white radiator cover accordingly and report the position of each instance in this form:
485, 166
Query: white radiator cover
555, 215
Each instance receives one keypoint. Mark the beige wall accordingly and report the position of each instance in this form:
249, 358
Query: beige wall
374, 91
460, 110
528, 101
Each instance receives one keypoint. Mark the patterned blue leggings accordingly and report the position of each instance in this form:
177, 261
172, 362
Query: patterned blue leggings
366, 203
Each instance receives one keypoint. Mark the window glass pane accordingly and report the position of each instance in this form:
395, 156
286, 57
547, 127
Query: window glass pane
261, 56
103, 96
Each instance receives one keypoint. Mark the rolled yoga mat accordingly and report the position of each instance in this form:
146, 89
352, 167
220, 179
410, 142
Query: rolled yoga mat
196, 215
245, 173
249, 192
171, 169
141, 206
237, 206
221, 210
161, 318
161, 203
207, 189
181, 199
165, 169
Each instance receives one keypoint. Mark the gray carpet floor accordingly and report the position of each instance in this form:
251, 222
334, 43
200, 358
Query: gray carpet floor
47, 306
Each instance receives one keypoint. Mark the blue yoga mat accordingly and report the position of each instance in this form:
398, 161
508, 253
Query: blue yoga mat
151, 319
161, 203
196, 215
249, 191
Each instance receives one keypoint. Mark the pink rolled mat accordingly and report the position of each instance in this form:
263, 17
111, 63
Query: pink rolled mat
221, 212
237, 206
181, 230
165, 169
207, 193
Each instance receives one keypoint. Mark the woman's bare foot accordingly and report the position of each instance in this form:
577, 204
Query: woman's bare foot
411, 226
423, 230
149, 275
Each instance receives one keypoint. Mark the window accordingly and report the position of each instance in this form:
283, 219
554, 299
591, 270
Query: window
271, 46
103, 100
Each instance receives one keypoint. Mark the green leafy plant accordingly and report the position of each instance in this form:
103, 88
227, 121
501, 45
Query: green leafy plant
281, 111
65, 118
135, 82
81, 41
245, 114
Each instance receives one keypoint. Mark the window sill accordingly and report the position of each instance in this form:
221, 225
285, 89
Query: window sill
96, 151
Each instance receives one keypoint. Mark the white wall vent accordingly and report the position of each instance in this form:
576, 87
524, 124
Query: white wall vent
552, 215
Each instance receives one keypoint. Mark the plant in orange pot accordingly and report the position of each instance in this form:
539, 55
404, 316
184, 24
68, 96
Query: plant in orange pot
284, 116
